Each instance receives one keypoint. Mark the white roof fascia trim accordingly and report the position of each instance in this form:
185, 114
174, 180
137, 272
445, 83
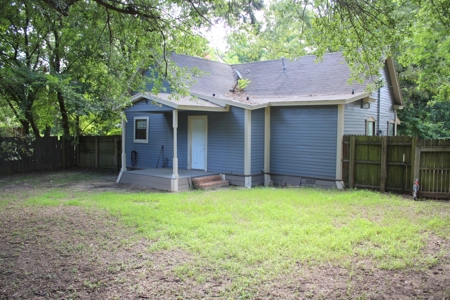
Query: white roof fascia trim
307, 103
177, 106
319, 102
137, 97
226, 102
358, 97
220, 101
398, 97
206, 108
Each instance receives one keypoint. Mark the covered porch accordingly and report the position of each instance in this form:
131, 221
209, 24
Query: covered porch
161, 178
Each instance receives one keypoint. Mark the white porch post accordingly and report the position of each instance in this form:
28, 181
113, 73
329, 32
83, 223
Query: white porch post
267, 179
395, 123
340, 134
124, 155
174, 181
248, 148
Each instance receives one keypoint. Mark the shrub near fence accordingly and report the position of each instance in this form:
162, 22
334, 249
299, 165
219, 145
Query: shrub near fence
47, 153
392, 164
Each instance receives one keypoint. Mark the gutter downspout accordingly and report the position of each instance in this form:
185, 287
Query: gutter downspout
378, 112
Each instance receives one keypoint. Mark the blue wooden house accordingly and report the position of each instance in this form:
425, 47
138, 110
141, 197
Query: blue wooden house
284, 128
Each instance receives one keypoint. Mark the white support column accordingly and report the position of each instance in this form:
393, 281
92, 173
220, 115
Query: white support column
248, 148
395, 123
267, 179
124, 155
174, 180
340, 135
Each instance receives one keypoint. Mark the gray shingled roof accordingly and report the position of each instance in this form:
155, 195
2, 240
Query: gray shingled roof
302, 77
220, 77
303, 82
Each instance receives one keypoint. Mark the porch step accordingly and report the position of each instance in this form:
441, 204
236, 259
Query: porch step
209, 182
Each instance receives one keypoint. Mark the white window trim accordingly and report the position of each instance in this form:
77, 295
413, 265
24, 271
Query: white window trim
134, 130
394, 128
371, 120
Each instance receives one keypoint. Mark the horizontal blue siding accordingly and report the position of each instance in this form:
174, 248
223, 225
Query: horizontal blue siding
159, 133
355, 116
303, 141
225, 140
148, 106
257, 141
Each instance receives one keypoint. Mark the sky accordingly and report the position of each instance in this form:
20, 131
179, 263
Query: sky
217, 36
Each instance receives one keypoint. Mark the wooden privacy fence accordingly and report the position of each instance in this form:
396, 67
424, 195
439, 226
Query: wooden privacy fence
392, 164
47, 153
99, 152
52, 153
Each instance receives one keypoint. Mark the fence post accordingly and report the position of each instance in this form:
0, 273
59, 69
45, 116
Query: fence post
96, 152
413, 163
116, 153
416, 169
383, 167
351, 163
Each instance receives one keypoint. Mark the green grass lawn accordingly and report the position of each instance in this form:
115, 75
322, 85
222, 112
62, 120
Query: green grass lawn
260, 233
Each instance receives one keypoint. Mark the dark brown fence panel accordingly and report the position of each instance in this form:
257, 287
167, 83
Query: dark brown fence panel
51, 153
99, 152
392, 164
47, 153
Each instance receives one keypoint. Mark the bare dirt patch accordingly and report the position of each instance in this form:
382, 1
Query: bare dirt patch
68, 252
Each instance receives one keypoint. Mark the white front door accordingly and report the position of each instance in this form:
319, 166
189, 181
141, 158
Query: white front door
198, 142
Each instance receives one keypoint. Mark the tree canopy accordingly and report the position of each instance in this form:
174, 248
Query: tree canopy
366, 32
69, 65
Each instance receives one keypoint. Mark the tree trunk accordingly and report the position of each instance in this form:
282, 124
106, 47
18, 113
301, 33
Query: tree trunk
47, 131
64, 116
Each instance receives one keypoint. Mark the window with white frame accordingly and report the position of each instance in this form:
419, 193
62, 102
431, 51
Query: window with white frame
391, 128
141, 129
370, 126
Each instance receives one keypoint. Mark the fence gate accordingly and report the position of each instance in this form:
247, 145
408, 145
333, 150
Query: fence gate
432, 167
392, 163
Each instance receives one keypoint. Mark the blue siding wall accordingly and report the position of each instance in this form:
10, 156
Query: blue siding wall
355, 116
257, 141
225, 140
160, 133
303, 141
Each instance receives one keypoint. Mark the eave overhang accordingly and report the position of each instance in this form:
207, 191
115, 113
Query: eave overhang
289, 101
213, 107
394, 81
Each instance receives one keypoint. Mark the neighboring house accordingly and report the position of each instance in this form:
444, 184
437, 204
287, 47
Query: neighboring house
284, 128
